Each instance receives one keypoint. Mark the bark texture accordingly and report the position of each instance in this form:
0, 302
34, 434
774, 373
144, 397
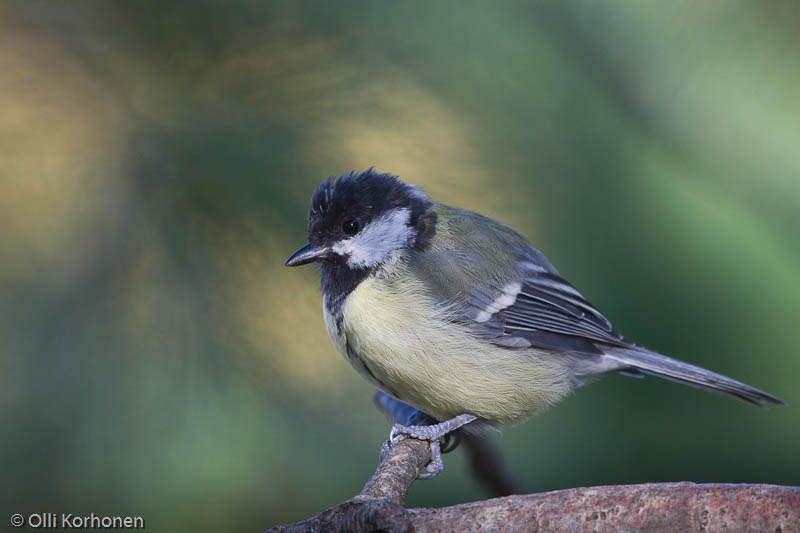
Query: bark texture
666, 507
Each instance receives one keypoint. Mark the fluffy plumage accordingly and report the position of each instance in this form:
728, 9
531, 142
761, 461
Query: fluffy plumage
452, 312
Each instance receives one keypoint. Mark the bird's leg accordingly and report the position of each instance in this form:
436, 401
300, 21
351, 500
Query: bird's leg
432, 434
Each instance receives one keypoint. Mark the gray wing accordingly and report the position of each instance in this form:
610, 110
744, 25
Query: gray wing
537, 307
506, 291
543, 310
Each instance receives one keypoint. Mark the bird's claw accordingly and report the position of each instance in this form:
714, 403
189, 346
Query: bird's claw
433, 434
436, 466
397, 434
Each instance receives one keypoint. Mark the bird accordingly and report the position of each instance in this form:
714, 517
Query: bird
458, 315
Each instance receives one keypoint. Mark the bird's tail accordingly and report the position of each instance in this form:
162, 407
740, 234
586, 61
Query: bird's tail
639, 359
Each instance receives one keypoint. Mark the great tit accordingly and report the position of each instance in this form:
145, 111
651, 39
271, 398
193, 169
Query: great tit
458, 315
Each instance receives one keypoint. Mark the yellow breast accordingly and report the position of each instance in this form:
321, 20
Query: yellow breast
396, 336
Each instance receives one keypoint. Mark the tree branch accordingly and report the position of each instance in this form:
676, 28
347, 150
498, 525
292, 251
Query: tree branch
484, 458
664, 507
488, 466
652, 507
398, 470
379, 507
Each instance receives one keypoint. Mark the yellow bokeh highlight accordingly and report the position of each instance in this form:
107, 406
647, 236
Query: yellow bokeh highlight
62, 139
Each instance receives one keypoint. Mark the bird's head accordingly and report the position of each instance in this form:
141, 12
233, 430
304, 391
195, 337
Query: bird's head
360, 220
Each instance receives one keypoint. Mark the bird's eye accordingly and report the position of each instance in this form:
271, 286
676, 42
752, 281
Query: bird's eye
351, 226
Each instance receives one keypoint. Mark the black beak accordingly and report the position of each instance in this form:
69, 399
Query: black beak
306, 254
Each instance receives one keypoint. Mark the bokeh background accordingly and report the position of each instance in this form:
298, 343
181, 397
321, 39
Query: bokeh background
156, 162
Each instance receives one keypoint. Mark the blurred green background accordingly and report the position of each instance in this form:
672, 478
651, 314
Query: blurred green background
156, 162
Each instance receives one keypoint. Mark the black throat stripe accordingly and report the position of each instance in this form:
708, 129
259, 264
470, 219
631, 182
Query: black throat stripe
338, 280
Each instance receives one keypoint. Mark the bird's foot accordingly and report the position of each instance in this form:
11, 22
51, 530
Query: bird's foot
432, 434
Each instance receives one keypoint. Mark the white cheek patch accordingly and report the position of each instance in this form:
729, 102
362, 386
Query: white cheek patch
375, 243
506, 299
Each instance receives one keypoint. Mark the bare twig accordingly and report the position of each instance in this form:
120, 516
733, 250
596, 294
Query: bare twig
379, 507
488, 466
398, 470
666, 507
484, 458
650, 507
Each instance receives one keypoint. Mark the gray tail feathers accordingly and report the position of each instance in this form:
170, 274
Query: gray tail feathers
666, 367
